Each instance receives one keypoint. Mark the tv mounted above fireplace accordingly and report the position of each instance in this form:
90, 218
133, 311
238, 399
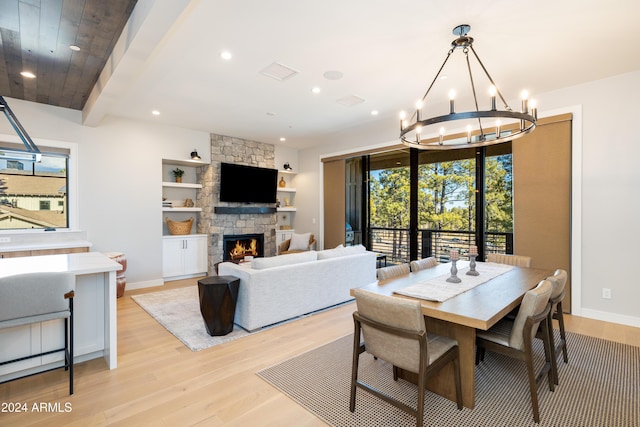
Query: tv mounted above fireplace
247, 184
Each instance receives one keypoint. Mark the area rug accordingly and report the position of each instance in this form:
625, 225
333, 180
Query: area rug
178, 310
598, 387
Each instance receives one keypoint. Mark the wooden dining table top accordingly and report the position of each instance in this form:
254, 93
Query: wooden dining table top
480, 307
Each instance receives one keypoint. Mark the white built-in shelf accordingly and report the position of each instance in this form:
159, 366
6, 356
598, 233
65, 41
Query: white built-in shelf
181, 184
287, 209
287, 172
186, 162
181, 209
287, 189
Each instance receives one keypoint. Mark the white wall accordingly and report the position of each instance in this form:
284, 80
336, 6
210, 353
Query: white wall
120, 175
609, 211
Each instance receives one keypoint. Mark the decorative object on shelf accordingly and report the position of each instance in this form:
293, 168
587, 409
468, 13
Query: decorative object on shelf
287, 166
470, 128
287, 203
177, 174
188, 203
473, 253
179, 227
453, 254
194, 155
282, 182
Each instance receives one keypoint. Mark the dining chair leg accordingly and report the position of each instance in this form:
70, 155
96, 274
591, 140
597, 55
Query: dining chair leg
357, 350
549, 363
552, 348
560, 318
456, 369
533, 391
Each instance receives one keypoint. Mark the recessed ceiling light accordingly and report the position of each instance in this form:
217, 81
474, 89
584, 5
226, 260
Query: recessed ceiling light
74, 48
374, 113
155, 112
283, 139
443, 77
315, 90
226, 55
28, 74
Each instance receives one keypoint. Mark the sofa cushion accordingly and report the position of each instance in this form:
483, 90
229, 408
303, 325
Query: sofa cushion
341, 251
300, 242
276, 261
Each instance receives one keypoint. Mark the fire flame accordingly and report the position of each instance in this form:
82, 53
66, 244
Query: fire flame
240, 250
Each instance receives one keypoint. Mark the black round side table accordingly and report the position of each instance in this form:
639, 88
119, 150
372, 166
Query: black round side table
218, 295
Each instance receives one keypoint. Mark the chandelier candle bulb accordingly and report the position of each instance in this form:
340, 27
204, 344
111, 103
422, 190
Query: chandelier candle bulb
534, 109
418, 111
498, 123
492, 95
403, 116
441, 137
452, 101
468, 134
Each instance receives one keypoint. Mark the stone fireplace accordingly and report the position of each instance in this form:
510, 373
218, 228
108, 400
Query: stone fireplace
236, 246
219, 219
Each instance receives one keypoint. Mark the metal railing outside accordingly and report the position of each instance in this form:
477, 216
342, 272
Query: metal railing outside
394, 243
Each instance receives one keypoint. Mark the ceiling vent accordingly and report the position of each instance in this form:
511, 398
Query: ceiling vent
278, 71
350, 101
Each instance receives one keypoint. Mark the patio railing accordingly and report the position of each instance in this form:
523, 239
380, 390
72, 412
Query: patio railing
394, 243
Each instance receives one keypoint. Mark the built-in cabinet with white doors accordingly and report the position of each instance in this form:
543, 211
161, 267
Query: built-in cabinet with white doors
183, 256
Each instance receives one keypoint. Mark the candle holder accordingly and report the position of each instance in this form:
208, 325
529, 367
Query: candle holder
454, 273
472, 265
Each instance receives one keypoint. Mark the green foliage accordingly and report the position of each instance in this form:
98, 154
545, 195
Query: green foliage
446, 196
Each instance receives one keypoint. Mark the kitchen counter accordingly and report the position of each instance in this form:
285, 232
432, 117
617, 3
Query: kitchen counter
95, 319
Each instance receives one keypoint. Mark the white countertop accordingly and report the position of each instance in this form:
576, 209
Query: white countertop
79, 263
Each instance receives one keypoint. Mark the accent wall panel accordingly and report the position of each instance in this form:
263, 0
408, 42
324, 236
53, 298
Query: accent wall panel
542, 196
334, 203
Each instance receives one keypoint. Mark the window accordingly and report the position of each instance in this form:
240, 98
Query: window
445, 215
34, 195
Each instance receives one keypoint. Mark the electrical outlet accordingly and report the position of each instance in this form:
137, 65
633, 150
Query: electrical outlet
606, 293
5, 239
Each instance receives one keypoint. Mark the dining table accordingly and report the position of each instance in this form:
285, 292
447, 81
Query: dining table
459, 316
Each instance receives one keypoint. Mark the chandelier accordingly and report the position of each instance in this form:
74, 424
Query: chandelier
473, 128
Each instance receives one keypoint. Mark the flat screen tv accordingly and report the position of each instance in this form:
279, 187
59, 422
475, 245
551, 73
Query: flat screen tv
247, 184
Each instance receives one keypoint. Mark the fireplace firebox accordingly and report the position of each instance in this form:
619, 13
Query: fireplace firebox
235, 247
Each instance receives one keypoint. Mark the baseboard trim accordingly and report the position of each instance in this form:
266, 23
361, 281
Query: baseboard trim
145, 284
611, 317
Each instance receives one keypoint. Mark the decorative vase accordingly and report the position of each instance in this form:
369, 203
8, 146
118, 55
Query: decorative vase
282, 183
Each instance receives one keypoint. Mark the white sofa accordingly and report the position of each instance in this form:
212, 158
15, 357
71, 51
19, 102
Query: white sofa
278, 288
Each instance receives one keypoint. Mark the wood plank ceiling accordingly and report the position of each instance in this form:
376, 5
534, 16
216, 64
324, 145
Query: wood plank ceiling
35, 36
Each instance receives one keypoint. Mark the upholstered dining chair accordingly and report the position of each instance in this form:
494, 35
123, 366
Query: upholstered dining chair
558, 282
38, 297
392, 271
514, 338
393, 329
517, 260
423, 264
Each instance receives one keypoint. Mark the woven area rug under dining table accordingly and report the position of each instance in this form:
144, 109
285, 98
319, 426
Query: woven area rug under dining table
599, 387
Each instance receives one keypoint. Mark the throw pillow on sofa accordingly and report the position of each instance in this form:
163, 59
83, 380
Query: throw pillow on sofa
299, 242
341, 251
277, 261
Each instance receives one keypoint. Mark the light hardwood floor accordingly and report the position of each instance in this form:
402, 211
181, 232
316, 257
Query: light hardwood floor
160, 382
